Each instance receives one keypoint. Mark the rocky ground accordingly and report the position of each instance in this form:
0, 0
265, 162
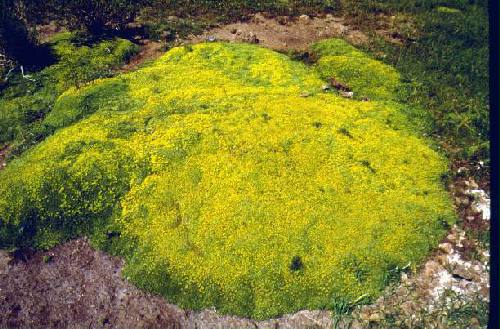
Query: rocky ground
75, 286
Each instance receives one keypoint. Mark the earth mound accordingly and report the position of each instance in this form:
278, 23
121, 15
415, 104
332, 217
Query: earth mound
228, 177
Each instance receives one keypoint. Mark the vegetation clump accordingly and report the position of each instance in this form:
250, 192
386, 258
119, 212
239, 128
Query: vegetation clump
26, 101
367, 77
222, 186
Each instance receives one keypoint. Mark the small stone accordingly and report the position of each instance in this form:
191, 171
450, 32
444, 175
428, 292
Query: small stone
251, 38
463, 272
442, 259
446, 247
375, 317
343, 30
304, 17
431, 267
347, 94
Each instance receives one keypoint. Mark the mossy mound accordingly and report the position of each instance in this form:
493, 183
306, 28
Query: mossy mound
366, 77
223, 186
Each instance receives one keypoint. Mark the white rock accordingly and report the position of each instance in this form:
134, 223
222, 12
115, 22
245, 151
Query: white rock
481, 203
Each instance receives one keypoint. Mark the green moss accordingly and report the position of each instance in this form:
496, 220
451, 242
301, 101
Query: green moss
335, 47
448, 10
365, 76
222, 186
25, 102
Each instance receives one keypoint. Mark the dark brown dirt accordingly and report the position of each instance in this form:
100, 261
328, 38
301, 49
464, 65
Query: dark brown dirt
150, 50
74, 286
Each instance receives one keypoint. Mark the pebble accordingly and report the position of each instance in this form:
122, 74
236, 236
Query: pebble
462, 271
347, 94
304, 17
473, 184
251, 38
376, 317
474, 322
431, 267
446, 247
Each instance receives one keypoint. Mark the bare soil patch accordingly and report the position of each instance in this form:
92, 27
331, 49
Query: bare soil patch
283, 33
150, 50
75, 286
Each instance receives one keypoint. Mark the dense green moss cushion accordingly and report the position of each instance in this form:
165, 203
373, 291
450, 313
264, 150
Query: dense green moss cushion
222, 186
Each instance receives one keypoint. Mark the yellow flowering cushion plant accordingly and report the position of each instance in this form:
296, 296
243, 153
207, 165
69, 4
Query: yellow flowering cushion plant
222, 185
